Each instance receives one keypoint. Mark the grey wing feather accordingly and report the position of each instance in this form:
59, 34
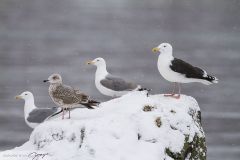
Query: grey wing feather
117, 84
40, 114
67, 94
59, 110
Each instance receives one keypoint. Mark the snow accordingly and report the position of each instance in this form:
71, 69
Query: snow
118, 129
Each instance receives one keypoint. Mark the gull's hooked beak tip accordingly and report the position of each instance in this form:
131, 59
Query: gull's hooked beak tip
89, 62
45, 81
18, 97
155, 50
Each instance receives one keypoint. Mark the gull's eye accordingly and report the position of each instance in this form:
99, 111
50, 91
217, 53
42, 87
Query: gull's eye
164, 46
25, 94
98, 60
55, 77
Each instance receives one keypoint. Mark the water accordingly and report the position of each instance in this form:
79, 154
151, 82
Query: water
38, 38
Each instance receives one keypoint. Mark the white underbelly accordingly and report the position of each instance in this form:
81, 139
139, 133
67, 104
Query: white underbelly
31, 125
168, 74
172, 76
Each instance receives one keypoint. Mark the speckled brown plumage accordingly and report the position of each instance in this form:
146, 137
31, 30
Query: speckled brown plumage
68, 97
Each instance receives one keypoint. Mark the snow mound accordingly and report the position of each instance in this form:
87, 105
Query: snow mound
133, 127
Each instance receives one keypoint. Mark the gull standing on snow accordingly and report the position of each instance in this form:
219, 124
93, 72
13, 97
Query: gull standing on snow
67, 97
177, 71
110, 85
33, 115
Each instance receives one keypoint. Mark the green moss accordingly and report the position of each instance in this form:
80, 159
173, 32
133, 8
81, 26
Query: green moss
199, 119
194, 150
200, 149
196, 115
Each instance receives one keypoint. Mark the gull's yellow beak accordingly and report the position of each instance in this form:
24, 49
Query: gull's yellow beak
155, 50
18, 97
89, 62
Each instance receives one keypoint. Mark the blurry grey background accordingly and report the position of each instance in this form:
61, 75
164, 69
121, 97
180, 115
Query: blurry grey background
39, 37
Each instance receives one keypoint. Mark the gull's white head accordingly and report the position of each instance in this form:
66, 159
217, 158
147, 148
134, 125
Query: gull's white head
163, 48
25, 95
97, 62
54, 79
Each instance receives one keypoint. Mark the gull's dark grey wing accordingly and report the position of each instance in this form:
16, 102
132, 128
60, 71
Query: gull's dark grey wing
59, 110
117, 84
38, 115
187, 69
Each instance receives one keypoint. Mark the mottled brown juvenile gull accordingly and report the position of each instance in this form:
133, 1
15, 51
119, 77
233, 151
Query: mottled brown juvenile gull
67, 97
110, 85
33, 115
177, 71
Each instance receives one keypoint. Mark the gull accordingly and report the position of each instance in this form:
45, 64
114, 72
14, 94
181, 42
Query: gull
109, 84
177, 71
33, 115
67, 97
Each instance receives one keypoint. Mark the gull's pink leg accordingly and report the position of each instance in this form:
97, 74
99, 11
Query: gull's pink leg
179, 92
172, 94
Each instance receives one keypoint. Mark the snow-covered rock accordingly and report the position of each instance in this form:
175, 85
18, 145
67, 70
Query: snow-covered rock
133, 127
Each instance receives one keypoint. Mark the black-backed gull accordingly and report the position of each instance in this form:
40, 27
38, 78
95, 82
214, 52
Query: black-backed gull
177, 71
